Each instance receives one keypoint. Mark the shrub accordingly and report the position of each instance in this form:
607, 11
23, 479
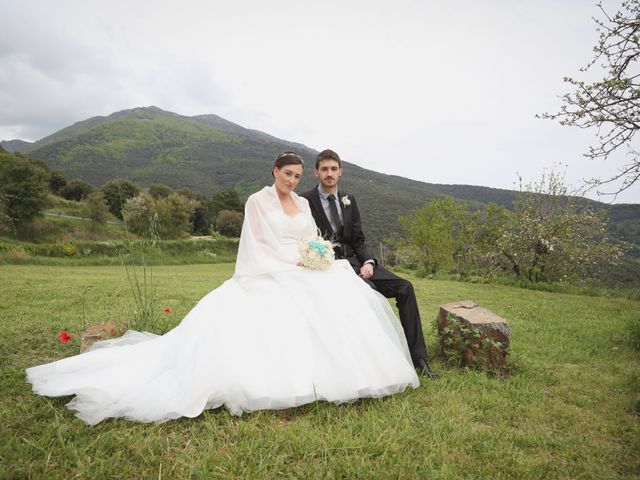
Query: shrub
76, 190
117, 192
165, 217
96, 208
229, 223
23, 188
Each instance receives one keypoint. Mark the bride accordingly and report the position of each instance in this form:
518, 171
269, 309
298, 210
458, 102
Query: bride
276, 335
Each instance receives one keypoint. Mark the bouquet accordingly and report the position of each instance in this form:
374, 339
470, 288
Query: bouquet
316, 253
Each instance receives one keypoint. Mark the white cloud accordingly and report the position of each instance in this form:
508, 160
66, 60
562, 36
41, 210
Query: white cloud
440, 92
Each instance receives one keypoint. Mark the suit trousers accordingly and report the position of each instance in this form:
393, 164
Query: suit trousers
392, 286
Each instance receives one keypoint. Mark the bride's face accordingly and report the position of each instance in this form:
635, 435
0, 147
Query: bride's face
287, 177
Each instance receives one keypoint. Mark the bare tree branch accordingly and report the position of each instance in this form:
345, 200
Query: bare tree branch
611, 105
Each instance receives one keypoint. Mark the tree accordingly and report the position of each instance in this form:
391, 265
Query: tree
76, 190
160, 190
117, 192
188, 193
23, 188
159, 218
138, 215
429, 236
224, 200
6, 222
200, 220
479, 234
551, 237
174, 213
611, 105
229, 223
96, 208
57, 181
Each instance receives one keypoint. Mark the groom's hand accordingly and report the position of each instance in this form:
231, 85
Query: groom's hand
366, 271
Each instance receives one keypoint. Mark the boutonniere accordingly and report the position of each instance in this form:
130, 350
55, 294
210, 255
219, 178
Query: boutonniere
346, 201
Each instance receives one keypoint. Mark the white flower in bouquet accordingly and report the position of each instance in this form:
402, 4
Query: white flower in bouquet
316, 253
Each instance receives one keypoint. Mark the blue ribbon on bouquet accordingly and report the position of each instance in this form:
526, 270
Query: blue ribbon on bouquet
318, 247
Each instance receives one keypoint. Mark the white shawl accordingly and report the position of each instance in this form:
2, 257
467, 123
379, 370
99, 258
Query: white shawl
261, 247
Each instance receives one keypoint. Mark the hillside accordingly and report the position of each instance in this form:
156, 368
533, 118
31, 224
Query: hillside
207, 153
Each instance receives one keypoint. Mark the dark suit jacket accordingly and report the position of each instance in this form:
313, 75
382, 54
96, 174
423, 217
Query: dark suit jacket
352, 237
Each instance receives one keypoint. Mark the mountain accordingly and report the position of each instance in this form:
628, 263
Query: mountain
207, 153
14, 145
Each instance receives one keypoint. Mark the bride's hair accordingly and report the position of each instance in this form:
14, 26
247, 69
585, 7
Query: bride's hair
287, 158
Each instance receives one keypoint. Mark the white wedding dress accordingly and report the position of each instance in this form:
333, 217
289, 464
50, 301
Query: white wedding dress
274, 336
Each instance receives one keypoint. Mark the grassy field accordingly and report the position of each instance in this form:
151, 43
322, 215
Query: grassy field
570, 410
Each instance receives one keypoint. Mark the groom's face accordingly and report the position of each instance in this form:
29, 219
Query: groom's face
328, 173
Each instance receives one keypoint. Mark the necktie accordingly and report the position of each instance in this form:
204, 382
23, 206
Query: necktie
334, 213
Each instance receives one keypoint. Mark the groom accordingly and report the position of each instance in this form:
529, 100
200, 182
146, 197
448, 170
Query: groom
338, 218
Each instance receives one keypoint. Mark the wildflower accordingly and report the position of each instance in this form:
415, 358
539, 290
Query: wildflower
64, 336
168, 309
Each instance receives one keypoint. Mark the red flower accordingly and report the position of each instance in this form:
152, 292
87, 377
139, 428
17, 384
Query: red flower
168, 309
64, 336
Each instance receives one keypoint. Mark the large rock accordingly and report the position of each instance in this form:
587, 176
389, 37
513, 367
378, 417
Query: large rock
474, 335
99, 331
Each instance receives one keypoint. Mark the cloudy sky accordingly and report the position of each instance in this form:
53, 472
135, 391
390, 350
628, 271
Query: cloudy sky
443, 92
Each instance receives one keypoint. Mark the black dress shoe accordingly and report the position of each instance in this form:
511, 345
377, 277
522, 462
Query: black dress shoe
424, 369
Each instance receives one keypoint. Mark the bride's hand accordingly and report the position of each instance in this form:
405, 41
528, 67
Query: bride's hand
300, 264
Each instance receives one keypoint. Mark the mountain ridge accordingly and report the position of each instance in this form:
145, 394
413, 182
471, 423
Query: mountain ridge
15, 145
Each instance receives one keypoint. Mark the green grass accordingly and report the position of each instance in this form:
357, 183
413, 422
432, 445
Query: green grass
198, 250
570, 410
59, 229
67, 207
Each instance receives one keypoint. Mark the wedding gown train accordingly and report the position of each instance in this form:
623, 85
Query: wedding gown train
273, 336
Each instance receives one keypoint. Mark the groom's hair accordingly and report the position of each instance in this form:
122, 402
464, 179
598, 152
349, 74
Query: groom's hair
328, 155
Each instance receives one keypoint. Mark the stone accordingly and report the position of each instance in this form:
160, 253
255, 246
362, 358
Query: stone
479, 337
94, 333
